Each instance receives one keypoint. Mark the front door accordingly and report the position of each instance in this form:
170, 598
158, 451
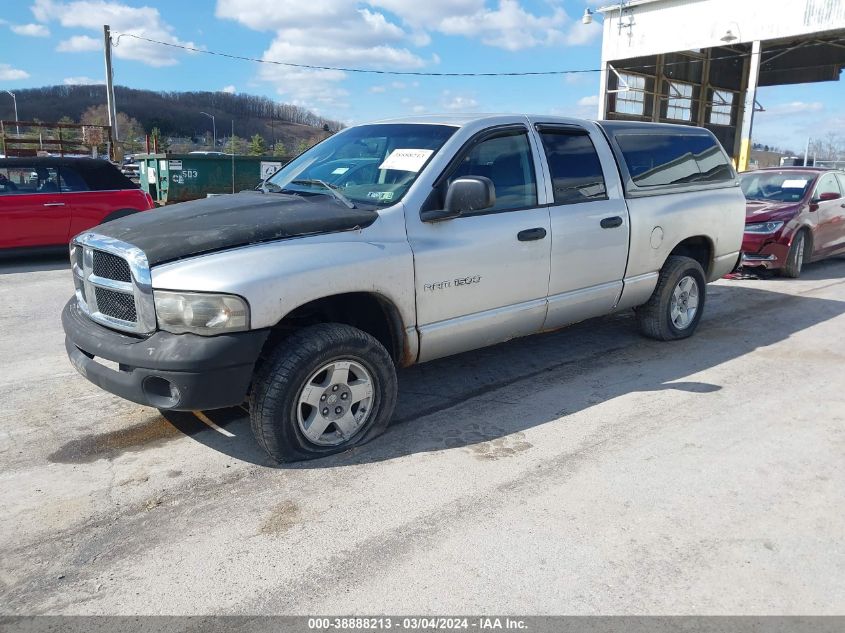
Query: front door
32, 209
830, 230
482, 278
589, 220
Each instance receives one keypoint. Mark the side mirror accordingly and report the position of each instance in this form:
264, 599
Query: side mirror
467, 193
828, 195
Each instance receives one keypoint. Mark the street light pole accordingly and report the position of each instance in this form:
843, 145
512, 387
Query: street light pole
213, 127
15, 101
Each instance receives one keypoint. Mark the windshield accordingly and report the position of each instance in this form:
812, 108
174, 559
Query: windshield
368, 165
776, 186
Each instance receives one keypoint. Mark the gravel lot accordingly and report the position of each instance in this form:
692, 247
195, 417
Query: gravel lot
585, 471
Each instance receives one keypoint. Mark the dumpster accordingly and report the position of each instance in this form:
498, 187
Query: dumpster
170, 178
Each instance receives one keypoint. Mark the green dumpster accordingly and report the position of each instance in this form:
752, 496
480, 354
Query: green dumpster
171, 178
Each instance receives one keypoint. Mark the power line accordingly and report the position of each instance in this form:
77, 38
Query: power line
405, 73
419, 73
372, 71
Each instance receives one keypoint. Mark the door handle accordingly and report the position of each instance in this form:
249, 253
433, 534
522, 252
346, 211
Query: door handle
54, 204
531, 234
611, 223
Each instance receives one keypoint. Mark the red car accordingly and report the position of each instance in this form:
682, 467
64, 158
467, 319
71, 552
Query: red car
793, 215
46, 201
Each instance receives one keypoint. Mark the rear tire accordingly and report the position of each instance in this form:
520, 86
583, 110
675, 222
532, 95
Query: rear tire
795, 257
348, 376
677, 303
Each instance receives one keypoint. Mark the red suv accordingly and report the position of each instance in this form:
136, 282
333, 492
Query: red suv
793, 215
46, 201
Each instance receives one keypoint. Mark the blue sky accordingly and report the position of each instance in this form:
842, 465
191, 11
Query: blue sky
46, 42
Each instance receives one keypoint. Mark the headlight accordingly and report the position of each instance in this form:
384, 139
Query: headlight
200, 313
763, 227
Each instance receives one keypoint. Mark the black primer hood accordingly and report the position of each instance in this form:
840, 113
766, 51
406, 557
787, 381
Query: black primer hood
213, 224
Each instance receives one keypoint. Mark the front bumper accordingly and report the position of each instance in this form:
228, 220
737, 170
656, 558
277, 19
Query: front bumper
184, 372
764, 251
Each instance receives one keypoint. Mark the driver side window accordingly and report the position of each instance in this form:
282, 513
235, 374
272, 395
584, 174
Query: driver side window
506, 160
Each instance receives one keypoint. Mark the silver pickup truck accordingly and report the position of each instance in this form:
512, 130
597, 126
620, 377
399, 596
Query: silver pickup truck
395, 243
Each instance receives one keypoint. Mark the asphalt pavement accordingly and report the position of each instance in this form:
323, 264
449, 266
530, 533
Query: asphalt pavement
584, 471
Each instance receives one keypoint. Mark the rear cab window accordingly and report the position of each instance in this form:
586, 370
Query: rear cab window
673, 158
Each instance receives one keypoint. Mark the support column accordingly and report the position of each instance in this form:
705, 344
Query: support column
602, 113
748, 107
704, 88
657, 96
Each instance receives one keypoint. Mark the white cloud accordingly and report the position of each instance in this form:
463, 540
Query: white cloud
792, 108
429, 14
229, 90
388, 35
508, 26
7, 73
92, 14
82, 81
79, 44
458, 103
592, 100
418, 109
31, 30
334, 33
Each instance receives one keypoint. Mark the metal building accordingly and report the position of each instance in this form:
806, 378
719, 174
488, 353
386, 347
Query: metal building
701, 61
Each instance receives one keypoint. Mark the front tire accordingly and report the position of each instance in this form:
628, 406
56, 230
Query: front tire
675, 307
795, 257
324, 389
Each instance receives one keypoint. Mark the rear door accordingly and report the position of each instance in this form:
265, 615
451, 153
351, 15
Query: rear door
589, 220
830, 231
33, 211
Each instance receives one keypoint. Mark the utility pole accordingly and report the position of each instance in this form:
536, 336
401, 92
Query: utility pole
15, 102
110, 82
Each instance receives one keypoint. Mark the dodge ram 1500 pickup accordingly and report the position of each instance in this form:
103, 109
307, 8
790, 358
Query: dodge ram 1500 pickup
395, 243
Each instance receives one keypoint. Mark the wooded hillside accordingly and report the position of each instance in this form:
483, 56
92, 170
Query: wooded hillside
177, 114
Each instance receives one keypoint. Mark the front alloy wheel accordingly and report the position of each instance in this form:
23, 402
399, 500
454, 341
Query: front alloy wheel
335, 403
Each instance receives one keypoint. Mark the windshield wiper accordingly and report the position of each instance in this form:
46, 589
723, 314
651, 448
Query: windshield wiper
268, 186
326, 185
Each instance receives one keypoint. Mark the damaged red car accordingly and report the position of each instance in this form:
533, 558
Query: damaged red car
793, 216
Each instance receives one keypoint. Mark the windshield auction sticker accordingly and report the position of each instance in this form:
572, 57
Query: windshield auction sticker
793, 184
406, 159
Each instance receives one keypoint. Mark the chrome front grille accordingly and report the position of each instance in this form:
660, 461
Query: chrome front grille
111, 266
113, 284
116, 304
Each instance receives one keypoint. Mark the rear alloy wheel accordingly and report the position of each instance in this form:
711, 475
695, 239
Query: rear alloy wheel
795, 257
683, 306
676, 305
